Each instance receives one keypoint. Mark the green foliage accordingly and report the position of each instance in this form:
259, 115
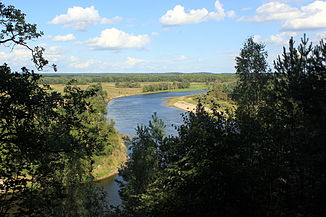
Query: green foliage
267, 160
251, 69
165, 86
218, 97
47, 139
129, 84
282, 120
145, 162
84, 78
184, 175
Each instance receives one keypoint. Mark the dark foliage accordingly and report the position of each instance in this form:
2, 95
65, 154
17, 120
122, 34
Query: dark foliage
47, 139
267, 160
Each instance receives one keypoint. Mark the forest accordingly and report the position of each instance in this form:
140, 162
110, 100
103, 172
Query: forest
84, 78
265, 157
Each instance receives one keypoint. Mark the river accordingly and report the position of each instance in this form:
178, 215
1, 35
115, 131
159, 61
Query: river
130, 111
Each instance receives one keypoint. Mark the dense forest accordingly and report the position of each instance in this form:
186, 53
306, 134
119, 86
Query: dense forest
266, 157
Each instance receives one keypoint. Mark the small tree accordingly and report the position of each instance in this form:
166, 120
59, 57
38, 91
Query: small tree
144, 164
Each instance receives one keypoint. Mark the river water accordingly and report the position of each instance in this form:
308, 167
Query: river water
130, 111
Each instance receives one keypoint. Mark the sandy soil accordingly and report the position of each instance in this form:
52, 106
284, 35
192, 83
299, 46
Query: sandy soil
182, 105
186, 106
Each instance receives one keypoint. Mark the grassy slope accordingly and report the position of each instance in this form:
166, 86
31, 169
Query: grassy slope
109, 163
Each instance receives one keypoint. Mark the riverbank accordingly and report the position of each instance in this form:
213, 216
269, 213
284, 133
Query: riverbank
185, 106
185, 103
109, 164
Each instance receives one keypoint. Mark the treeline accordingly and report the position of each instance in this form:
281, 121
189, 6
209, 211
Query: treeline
165, 86
64, 80
265, 159
146, 77
128, 84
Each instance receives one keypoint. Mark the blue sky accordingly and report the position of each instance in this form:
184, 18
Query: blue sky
162, 35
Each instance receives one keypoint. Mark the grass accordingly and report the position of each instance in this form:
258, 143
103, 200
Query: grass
109, 87
108, 164
192, 99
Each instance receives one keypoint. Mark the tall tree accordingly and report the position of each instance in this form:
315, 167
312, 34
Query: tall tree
251, 65
297, 107
47, 139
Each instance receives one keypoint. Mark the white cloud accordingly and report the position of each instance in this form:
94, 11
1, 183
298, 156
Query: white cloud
112, 20
53, 50
309, 17
53, 53
273, 11
115, 39
80, 18
178, 16
231, 14
76, 63
219, 14
282, 38
82, 65
133, 61
313, 16
155, 33
257, 38
17, 57
20, 56
68, 37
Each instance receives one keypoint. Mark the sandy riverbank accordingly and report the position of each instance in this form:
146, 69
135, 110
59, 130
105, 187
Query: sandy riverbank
182, 105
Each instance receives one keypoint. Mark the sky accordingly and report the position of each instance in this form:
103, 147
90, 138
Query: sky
154, 36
